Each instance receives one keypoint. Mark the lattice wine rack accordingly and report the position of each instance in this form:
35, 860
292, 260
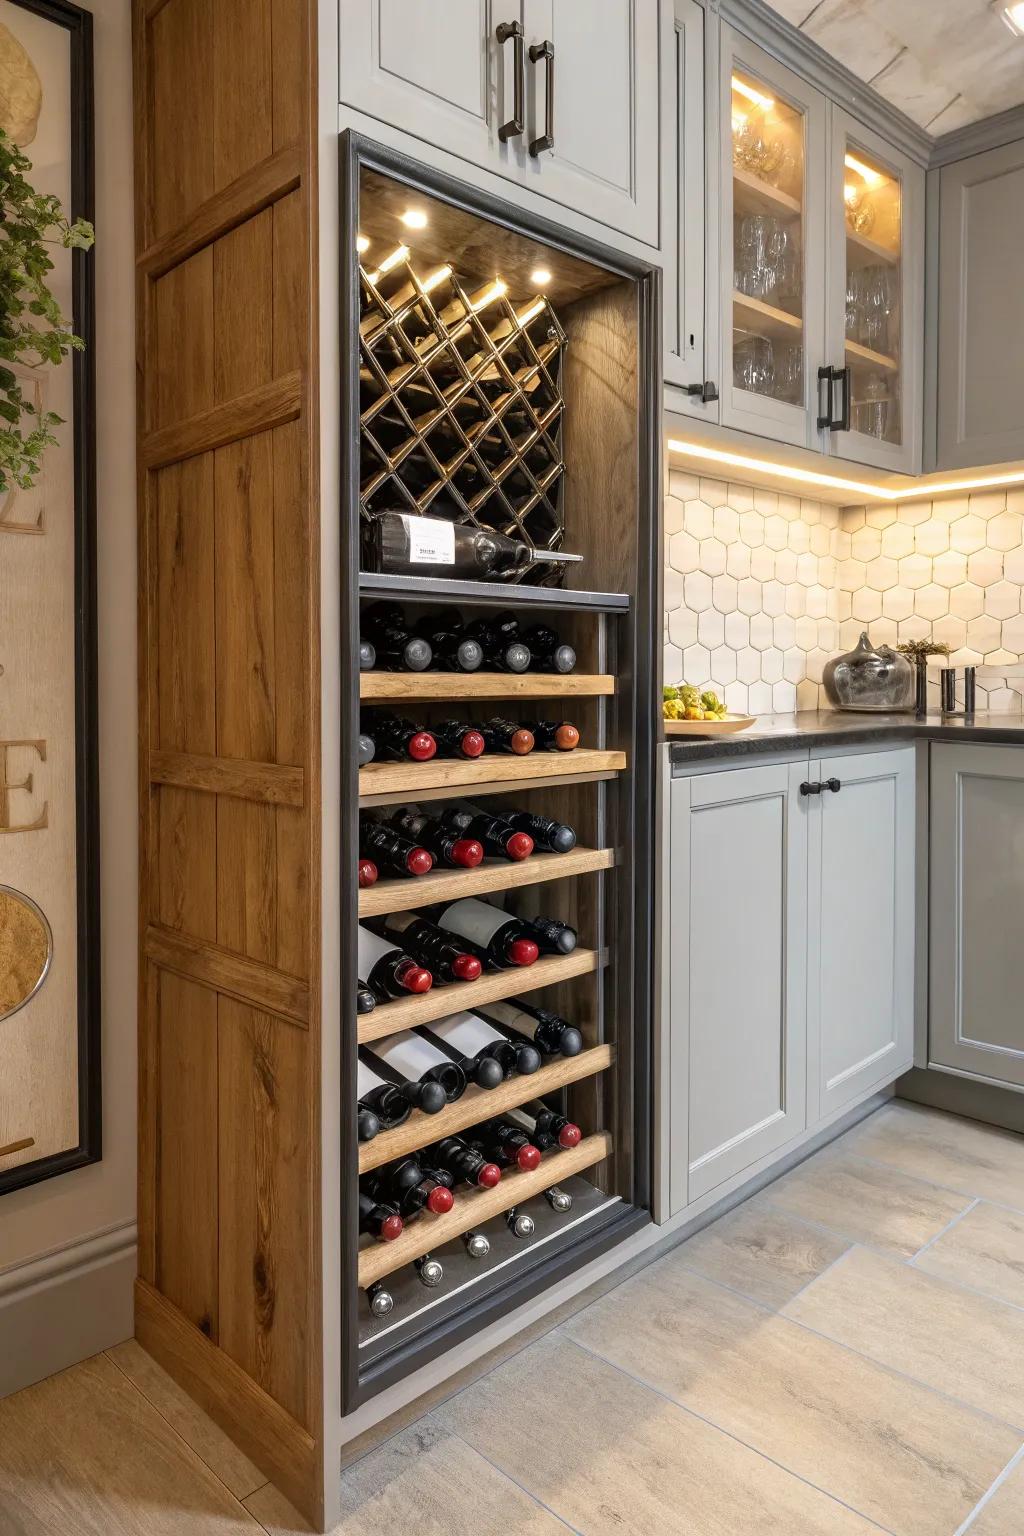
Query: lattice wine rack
461, 403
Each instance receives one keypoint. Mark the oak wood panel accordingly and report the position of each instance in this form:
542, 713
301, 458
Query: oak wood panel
389, 1018
446, 773
185, 619
234, 975
256, 411
443, 792
475, 1206
271, 783
450, 687
499, 875
478, 1104
184, 870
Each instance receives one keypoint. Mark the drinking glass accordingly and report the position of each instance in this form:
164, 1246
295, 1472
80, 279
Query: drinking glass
754, 365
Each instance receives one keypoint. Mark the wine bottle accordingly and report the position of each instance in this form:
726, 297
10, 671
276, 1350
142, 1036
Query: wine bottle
507, 1145
381, 1221
503, 652
546, 1127
559, 1200
455, 738
381, 1106
448, 845
547, 652
465, 1163
553, 836
476, 1244
389, 973
367, 749
505, 736
400, 739
432, 947
365, 1000
403, 544
519, 1223
430, 1271
392, 849
397, 648
493, 833
367, 656
553, 735
475, 1039
408, 1187
368, 873
454, 651
552, 935
439, 1082
501, 939
519, 1019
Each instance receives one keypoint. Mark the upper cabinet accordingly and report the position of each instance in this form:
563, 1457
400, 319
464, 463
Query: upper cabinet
559, 96
981, 309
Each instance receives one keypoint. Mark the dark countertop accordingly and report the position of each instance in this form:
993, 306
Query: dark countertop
820, 728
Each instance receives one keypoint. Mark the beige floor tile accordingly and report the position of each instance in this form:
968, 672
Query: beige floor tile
984, 1250
610, 1456
84, 1454
878, 1206
897, 1452
967, 1345
763, 1253
195, 1427
1003, 1515
424, 1480
962, 1154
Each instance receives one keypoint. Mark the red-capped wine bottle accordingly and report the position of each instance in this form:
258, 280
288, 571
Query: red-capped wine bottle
380, 1105
381, 1221
552, 836
389, 973
520, 1019
368, 873
507, 1145
400, 740
446, 961
546, 1127
397, 649
454, 650
463, 1162
553, 735
409, 1187
548, 654
496, 836
367, 656
449, 846
498, 639
499, 938
365, 1000
391, 849
367, 749
442, 1085
554, 937
457, 739
505, 736
475, 1039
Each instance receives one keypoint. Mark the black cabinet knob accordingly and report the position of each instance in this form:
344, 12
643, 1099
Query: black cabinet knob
810, 788
834, 785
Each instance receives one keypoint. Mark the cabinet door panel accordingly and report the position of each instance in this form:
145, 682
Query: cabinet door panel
737, 992
860, 954
689, 217
976, 1023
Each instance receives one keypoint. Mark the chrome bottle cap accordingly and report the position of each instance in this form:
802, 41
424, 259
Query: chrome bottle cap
381, 1301
558, 1199
478, 1246
430, 1271
519, 1225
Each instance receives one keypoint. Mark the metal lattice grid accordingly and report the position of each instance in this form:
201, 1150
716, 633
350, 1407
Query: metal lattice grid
461, 404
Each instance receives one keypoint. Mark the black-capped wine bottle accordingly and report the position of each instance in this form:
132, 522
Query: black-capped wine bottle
396, 647
367, 749
439, 1083
388, 971
499, 938
450, 846
380, 1221
554, 937
519, 1019
454, 650
552, 735
399, 740
475, 1039
552, 836
381, 1106
367, 656
446, 959
365, 1000
548, 653
499, 640
391, 849
484, 1071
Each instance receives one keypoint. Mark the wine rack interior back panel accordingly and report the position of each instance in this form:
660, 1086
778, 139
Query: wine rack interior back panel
499, 383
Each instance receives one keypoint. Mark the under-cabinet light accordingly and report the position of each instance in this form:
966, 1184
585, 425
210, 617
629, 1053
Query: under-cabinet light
871, 178
1013, 15
414, 218
531, 313
838, 482
362, 243
431, 282
757, 97
540, 276
495, 291
399, 253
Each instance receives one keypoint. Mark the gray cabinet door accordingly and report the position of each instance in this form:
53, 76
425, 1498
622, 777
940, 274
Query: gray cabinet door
860, 953
975, 1014
981, 309
737, 969
690, 232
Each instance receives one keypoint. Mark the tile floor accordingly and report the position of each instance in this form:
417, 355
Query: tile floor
842, 1354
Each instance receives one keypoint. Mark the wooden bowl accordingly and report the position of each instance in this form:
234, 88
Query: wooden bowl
724, 727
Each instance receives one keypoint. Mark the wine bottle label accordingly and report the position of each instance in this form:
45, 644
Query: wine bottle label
515, 1018
398, 922
431, 540
473, 920
467, 1033
366, 1080
409, 1054
371, 949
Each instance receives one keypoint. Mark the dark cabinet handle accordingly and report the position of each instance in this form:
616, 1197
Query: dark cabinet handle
810, 788
835, 785
545, 51
516, 123
830, 377
706, 391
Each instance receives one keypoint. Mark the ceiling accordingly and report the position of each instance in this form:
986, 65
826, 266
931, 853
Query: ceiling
945, 63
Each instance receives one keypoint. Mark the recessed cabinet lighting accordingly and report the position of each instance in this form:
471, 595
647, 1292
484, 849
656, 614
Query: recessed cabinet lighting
1013, 15
414, 218
362, 244
757, 97
868, 176
540, 277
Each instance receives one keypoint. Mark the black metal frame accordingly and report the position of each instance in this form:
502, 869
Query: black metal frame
639, 620
78, 24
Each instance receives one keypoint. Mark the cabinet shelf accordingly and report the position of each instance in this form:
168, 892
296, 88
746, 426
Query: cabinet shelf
758, 196
875, 359
479, 1104
863, 252
488, 594
497, 875
476, 1206
439, 1003
764, 319
455, 687
410, 779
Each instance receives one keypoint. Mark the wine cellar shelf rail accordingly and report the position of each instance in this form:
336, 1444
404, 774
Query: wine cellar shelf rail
448, 687
442, 589
390, 1018
479, 1104
476, 1206
443, 773
451, 884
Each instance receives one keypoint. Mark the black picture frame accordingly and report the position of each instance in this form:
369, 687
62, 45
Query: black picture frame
89, 1149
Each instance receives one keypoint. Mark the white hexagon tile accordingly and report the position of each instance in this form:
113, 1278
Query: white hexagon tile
762, 587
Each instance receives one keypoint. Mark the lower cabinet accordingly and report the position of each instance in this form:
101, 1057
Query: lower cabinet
789, 957
976, 878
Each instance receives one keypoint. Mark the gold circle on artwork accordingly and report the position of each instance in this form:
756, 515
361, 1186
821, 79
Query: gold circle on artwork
21, 90
26, 949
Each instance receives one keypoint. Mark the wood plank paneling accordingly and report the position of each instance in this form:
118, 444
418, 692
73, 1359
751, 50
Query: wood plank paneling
181, 74
242, 115
185, 638
247, 980
270, 783
185, 868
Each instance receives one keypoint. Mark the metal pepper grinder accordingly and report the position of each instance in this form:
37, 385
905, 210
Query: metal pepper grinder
947, 691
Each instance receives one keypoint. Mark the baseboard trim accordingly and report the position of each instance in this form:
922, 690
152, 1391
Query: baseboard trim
961, 1094
65, 1305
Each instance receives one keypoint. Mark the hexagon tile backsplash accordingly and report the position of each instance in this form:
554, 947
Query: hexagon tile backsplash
761, 587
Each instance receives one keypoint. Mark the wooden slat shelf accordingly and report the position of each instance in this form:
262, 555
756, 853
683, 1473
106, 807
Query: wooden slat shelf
753, 193
474, 1206
455, 687
876, 359
479, 1104
764, 319
495, 875
409, 779
389, 1018
865, 251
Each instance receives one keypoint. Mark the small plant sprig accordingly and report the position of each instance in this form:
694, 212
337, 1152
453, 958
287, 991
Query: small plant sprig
920, 650
33, 332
